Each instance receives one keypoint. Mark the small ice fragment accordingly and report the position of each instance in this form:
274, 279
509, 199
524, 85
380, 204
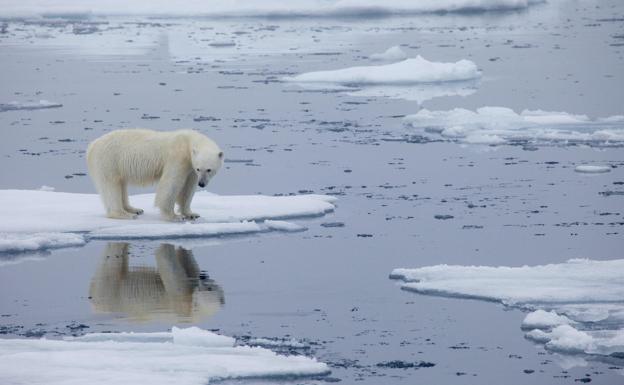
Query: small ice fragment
391, 54
541, 319
591, 169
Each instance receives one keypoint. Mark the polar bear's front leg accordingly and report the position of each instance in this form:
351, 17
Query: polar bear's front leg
126, 203
171, 183
186, 196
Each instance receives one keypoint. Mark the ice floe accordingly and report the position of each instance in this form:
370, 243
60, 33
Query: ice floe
394, 53
250, 8
409, 71
35, 219
592, 169
500, 125
40, 105
190, 356
415, 79
579, 301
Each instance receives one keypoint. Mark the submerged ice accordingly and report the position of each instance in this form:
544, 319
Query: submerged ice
190, 356
577, 306
500, 125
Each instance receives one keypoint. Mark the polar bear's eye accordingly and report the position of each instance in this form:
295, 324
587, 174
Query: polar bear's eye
221, 154
198, 170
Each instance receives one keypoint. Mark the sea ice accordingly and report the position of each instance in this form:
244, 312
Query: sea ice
35, 219
41, 104
500, 125
409, 71
251, 8
580, 300
391, 54
189, 356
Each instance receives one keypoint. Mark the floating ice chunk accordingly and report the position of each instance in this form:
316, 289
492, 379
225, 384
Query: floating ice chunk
22, 242
46, 188
391, 54
251, 8
500, 125
26, 212
580, 299
409, 71
184, 356
40, 105
567, 339
541, 319
591, 169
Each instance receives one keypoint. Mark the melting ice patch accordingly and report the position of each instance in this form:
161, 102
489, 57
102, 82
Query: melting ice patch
33, 219
189, 356
414, 79
282, 8
40, 105
500, 125
578, 306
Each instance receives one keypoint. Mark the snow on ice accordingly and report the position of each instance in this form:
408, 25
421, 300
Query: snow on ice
500, 125
34, 219
190, 356
577, 306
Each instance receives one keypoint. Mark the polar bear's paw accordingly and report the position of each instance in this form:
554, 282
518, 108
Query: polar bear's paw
121, 215
190, 216
134, 210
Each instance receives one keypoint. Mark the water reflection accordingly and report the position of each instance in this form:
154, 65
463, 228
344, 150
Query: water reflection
174, 289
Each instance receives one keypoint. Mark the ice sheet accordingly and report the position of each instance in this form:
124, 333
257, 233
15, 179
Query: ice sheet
570, 298
34, 219
189, 356
282, 8
500, 125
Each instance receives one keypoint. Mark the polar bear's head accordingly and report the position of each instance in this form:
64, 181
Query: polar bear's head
207, 159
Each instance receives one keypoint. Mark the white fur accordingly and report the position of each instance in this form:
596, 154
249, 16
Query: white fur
176, 160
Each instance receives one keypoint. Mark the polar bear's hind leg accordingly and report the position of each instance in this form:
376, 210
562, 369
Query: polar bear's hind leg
112, 193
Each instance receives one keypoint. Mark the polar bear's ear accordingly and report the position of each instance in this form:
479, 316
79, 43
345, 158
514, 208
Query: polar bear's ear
221, 155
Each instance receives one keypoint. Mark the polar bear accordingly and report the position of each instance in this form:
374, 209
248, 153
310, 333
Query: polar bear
176, 160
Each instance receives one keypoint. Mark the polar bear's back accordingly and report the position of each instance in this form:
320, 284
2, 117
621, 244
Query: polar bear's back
136, 156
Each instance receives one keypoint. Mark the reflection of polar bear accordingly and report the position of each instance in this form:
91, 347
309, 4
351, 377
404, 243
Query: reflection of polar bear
176, 289
177, 160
